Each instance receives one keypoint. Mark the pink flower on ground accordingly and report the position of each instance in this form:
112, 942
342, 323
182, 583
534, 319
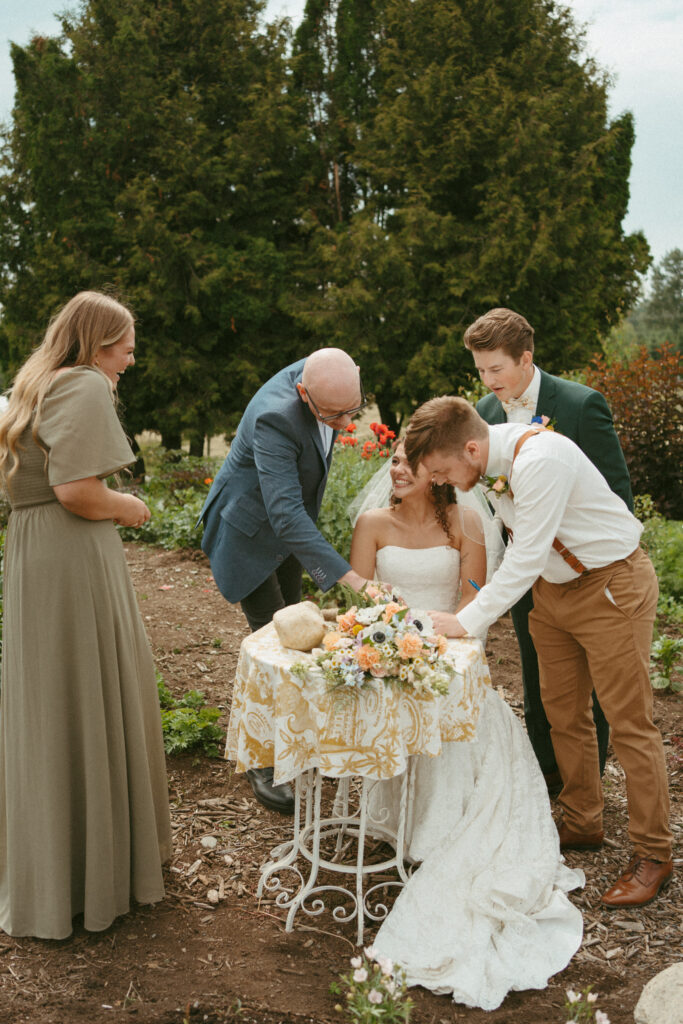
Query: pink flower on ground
375, 997
360, 974
356, 961
601, 1018
385, 964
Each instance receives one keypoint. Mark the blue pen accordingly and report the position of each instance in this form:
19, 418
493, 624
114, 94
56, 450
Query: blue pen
475, 585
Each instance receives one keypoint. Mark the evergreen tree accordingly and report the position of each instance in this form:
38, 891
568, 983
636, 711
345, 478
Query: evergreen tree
491, 176
661, 315
157, 148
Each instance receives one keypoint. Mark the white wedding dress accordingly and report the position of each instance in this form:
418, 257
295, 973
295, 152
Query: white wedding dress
487, 911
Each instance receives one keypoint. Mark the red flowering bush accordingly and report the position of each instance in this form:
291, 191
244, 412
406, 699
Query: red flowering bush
351, 469
380, 447
644, 395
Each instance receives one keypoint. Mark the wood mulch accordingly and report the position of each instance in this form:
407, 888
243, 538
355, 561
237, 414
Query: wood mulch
210, 952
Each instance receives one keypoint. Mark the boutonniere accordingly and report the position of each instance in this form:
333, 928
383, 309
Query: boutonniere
544, 421
498, 484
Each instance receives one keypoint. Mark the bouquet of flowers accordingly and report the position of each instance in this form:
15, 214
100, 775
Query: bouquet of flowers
378, 637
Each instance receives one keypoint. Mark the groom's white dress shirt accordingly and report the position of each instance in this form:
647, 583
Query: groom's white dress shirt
558, 492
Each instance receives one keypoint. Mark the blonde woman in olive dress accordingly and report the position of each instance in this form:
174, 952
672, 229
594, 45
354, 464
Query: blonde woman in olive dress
84, 815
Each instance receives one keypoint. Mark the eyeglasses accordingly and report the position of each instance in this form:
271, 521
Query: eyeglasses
338, 415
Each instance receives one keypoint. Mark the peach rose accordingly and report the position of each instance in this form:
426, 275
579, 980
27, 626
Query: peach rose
390, 610
409, 645
443, 644
367, 657
348, 620
330, 640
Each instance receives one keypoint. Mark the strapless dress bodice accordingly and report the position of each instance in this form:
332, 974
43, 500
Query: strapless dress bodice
427, 578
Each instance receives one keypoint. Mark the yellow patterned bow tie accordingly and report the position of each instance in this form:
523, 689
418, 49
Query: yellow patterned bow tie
518, 403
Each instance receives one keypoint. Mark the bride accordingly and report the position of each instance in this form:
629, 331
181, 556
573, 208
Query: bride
487, 911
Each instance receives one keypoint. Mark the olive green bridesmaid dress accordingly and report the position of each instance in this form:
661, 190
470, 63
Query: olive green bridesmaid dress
84, 814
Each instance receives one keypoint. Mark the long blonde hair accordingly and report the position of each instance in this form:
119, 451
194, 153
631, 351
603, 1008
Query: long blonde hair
88, 322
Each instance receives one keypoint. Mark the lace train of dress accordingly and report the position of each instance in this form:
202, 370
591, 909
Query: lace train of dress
487, 911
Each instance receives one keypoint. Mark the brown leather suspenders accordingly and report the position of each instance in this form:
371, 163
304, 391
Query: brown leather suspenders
569, 558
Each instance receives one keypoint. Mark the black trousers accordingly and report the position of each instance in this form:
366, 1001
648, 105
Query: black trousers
282, 587
537, 725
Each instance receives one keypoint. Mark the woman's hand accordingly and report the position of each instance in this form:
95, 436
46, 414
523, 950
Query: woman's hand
447, 624
133, 512
90, 498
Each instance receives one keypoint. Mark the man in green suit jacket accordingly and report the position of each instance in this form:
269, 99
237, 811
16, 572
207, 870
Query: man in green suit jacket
502, 345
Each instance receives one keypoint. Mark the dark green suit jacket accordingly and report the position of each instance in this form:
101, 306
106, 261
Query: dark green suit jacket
582, 415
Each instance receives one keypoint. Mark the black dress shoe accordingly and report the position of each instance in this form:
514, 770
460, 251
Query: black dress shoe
275, 798
553, 781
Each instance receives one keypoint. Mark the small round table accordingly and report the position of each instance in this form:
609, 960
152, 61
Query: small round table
306, 733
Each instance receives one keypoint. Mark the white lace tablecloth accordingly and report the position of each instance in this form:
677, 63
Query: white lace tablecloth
294, 724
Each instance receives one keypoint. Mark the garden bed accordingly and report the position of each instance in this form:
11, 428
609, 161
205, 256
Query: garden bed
189, 959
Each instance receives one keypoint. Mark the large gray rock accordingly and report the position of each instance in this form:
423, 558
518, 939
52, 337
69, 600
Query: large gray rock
300, 626
661, 1001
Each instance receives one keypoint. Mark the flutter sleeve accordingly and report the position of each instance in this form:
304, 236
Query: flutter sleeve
80, 428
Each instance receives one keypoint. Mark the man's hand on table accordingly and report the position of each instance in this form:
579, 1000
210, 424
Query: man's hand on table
447, 624
353, 579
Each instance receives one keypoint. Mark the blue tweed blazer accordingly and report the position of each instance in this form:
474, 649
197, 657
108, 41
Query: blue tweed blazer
264, 502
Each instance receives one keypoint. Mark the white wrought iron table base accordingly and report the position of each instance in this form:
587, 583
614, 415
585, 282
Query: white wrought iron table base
346, 825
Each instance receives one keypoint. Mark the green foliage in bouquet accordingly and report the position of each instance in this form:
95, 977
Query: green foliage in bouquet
187, 723
379, 640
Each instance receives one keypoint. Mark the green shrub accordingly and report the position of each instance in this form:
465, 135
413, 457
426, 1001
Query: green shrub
663, 541
645, 399
348, 475
186, 723
665, 658
174, 490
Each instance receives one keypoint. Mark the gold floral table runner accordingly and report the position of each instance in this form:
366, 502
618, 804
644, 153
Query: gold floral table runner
293, 724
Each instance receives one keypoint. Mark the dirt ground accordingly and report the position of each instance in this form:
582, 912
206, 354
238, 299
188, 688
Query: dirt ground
188, 960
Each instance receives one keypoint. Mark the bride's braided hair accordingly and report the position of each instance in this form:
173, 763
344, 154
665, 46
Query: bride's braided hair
443, 495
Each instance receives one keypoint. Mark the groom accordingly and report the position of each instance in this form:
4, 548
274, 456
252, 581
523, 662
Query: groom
502, 346
595, 596
259, 516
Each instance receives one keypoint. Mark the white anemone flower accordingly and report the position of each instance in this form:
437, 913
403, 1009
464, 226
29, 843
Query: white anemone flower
367, 615
421, 621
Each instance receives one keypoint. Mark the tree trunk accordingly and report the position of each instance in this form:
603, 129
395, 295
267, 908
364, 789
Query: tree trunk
196, 444
138, 469
171, 440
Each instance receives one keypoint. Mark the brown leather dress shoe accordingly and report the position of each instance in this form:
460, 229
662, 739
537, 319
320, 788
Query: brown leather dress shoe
640, 883
577, 840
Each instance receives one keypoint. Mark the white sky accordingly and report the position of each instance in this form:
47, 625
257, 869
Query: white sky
639, 41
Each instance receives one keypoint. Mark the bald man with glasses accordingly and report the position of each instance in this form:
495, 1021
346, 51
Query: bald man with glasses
260, 515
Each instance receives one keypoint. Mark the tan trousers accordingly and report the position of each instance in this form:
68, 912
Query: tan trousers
586, 639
